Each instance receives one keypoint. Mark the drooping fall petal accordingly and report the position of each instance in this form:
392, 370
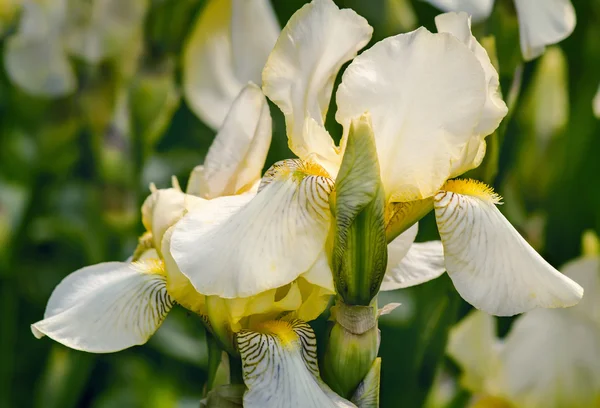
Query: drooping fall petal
279, 363
239, 246
107, 307
490, 264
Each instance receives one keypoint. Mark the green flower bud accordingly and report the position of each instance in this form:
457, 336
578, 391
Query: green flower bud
352, 347
359, 253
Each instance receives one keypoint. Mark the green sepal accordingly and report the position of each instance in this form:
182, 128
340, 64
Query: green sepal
359, 253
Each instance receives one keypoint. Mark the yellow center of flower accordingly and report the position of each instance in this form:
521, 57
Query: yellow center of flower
295, 169
152, 266
472, 188
280, 328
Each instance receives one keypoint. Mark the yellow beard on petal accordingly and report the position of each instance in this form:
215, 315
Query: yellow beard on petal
295, 169
472, 188
152, 266
280, 328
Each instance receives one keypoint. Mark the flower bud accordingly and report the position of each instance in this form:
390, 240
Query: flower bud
352, 347
359, 254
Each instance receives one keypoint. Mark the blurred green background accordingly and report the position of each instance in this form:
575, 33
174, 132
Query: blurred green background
73, 177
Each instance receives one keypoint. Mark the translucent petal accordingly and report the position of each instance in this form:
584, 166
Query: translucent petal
473, 345
228, 47
107, 307
299, 74
423, 262
542, 23
478, 9
236, 247
491, 265
550, 359
586, 272
236, 157
494, 110
425, 93
279, 363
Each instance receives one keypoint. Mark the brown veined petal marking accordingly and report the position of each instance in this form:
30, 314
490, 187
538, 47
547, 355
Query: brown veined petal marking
279, 363
107, 307
240, 249
311, 174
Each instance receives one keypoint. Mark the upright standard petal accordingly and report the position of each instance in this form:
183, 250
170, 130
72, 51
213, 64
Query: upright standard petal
228, 47
550, 359
299, 74
236, 157
425, 93
542, 23
233, 250
107, 307
490, 264
478, 9
280, 369
494, 110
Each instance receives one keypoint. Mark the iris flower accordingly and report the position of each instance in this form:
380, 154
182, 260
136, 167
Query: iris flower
114, 305
550, 358
432, 100
541, 22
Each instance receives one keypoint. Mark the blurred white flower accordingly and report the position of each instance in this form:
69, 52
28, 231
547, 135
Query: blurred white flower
36, 58
549, 359
596, 104
541, 22
228, 47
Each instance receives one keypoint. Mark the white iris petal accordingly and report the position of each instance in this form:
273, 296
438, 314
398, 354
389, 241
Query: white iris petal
281, 371
227, 48
300, 72
106, 307
491, 265
426, 94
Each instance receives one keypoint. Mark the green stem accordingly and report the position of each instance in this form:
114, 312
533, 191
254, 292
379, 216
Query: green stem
214, 359
235, 370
